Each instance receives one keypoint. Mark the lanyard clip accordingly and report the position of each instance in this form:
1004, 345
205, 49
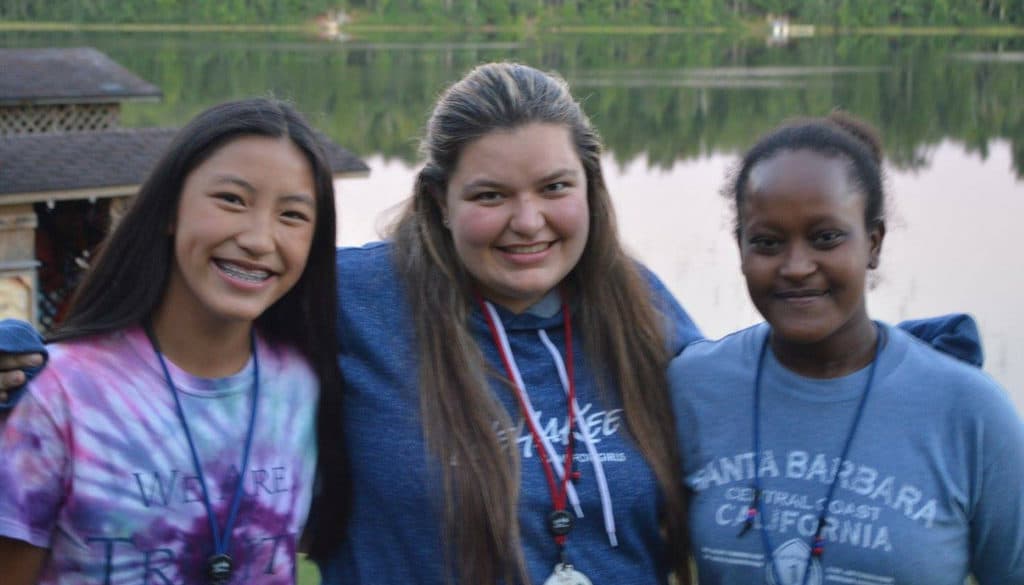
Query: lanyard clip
748, 523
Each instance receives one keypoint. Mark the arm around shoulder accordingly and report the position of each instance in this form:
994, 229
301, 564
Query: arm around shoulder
22, 355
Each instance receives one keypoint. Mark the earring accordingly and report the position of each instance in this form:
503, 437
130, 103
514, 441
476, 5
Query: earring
445, 222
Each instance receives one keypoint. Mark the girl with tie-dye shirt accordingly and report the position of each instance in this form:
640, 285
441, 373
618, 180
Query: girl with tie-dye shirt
173, 436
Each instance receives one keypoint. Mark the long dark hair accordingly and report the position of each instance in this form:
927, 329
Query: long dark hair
622, 329
126, 283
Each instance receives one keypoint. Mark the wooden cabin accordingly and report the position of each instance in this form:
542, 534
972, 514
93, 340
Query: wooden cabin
67, 167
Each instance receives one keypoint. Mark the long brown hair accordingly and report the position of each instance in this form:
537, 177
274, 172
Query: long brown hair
620, 325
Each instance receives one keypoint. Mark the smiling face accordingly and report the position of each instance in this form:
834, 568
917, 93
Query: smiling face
243, 231
805, 249
517, 210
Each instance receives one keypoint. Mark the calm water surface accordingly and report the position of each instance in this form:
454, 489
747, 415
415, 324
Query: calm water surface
675, 111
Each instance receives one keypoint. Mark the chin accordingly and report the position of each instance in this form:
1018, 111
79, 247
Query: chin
800, 334
238, 313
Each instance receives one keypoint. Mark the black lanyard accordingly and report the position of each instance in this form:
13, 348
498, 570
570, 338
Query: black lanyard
757, 506
219, 565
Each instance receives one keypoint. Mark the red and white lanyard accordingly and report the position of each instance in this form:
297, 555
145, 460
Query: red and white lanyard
558, 490
553, 467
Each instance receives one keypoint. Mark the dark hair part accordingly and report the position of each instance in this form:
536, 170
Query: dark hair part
621, 328
837, 135
126, 283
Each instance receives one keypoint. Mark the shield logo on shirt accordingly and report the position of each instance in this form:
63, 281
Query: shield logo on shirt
790, 560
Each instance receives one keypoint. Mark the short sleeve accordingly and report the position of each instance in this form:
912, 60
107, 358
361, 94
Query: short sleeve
33, 469
997, 521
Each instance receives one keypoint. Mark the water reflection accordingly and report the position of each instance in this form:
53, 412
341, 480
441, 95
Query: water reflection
721, 77
663, 98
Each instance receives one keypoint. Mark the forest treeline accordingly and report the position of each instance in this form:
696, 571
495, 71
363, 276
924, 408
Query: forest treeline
532, 13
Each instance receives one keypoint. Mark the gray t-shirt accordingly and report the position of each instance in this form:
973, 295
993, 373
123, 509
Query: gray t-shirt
932, 489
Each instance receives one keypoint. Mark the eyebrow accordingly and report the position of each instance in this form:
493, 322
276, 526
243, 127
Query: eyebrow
235, 180
478, 183
489, 183
303, 198
814, 223
559, 174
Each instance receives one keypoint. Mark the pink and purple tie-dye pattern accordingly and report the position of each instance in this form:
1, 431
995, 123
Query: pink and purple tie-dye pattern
96, 466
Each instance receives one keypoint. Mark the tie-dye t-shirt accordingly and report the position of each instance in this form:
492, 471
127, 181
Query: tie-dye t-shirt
97, 468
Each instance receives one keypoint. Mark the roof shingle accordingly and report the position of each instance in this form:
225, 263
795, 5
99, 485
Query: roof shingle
42, 163
59, 75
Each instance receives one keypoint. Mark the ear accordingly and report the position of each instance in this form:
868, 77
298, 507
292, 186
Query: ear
876, 234
441, 197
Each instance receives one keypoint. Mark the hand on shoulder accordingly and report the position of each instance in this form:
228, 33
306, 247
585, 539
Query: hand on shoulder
21, 348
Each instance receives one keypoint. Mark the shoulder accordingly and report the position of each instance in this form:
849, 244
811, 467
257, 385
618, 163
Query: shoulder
367, 274
705, 383
965, 405
374, 256
709, 373
737, 349
961, 399
90, 355
282, 358
78, 368
920, 358
682, 330
371, 296
938, 377
289, 387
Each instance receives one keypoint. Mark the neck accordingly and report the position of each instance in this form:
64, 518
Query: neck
550, 301
844, 352
207, 350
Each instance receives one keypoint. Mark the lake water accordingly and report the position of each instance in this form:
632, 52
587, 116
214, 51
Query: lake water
675, 111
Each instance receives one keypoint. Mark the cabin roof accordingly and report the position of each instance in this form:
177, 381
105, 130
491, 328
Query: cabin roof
111, 163
61, 75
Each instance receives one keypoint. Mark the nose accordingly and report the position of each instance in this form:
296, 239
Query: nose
256, 233
798, 262
527, 215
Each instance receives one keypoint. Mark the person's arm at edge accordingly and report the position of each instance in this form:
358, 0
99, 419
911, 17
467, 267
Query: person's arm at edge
22, 355
13, 366
955, 334
22, 563
997, 514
